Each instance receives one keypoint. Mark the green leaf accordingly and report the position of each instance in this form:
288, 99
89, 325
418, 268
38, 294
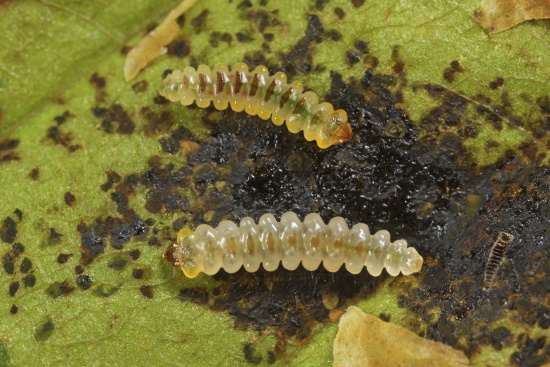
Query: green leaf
450, 147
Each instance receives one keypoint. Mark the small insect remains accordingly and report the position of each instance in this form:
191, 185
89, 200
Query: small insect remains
290, 242
496, 257
258, 93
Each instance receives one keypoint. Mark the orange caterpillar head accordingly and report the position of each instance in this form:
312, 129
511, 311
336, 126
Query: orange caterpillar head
171, 255
343, 134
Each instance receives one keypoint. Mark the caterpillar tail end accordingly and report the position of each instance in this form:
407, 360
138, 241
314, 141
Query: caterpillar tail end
419, 262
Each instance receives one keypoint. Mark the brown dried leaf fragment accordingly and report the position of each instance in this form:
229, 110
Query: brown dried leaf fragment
364, 340
499, 15
151, 46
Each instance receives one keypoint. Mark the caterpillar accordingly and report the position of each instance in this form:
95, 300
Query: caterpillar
290, 242
496, 257
257, 93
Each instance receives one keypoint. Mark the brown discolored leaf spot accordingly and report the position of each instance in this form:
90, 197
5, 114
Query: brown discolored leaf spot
364, 340
500, 15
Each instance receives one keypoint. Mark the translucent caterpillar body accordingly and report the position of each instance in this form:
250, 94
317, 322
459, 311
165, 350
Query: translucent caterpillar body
290, 242
257, 93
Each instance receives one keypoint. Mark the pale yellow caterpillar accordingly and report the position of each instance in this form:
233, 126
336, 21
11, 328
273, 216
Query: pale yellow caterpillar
290, 242
257, 93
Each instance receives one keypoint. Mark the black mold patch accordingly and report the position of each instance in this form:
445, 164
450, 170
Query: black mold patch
112, 177
8, 231
299, 59
114, 231
449, 113
59, 289
385, 177
217, 37
156, 123
195, 295
44, 331
55, 135
115, 113
262, 19
7, 150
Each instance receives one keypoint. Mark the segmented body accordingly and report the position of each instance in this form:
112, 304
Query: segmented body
290, 242
260, 94
496, 257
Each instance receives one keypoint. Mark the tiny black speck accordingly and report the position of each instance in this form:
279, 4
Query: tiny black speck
340, 13
14, 309
146, 291
26, 265
353, 57
195, 295
241, 37
29, 281
362, 46
14, 287
84, 281
8, 263
63, 258
137, 273
134, 255
251, 355
19, 213
333, 35
18, 248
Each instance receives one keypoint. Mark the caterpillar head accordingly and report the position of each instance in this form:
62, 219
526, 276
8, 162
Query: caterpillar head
171, 255
337, 130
